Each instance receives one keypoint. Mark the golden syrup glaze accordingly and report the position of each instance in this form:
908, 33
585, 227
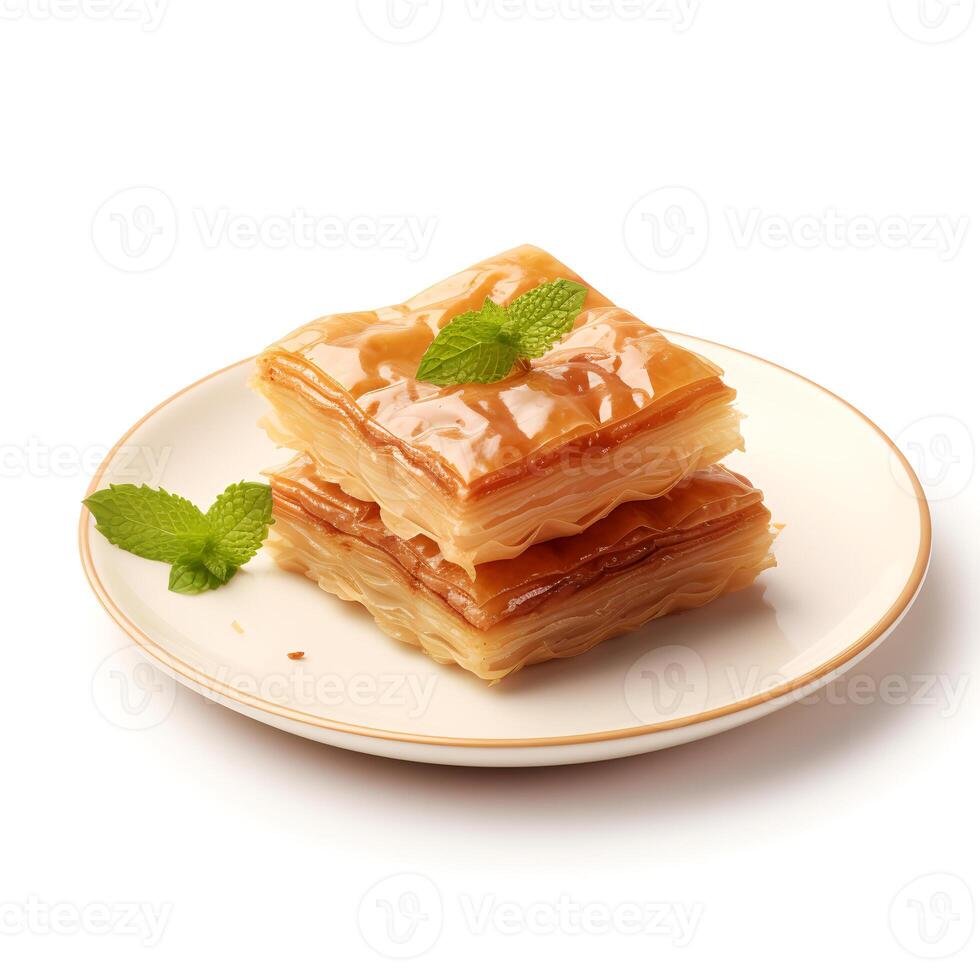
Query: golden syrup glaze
714, 502
609, 376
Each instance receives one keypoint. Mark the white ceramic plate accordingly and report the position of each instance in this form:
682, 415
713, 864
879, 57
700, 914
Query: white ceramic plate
851, 558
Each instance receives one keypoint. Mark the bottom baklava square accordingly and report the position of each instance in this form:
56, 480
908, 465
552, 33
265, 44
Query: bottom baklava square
559, 598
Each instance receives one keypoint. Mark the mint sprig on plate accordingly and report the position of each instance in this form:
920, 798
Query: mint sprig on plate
483, 345
203, 550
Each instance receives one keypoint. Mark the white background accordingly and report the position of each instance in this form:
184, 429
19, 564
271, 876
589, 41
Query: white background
789, 840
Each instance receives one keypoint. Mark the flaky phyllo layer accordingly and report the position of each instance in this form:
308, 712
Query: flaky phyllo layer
613, 413
560, 598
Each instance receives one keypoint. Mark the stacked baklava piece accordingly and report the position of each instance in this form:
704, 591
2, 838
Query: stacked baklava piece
499, 525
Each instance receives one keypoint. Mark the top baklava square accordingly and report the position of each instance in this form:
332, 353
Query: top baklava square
613, 412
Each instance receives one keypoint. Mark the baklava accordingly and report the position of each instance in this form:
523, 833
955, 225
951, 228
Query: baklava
561, 597
613, 413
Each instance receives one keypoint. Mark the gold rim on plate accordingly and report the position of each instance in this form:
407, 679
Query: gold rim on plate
197, 679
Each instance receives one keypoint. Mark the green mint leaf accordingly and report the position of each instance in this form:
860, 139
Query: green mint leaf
239, 521
481, 346
542, 316
493, 313
150, 523
469, 348
204, 550
189, 576
218, 567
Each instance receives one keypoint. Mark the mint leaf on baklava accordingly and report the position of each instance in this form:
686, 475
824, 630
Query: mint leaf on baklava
540, 318
482, 346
